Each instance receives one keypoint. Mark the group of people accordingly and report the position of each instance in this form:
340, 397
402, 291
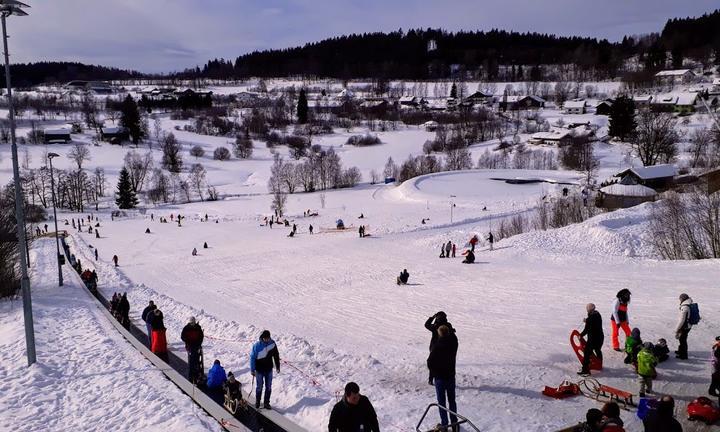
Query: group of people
643, 356
155, 325
120, 308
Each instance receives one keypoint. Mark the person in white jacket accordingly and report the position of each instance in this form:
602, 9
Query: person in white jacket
619, 318
683, 326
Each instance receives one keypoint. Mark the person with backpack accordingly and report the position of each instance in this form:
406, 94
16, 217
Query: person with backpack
646, 363
264, 352
714, 389
619, 318
689, 316
192, 334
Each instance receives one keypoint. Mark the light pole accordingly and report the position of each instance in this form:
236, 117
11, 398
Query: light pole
7, 8
452, 204
57, 238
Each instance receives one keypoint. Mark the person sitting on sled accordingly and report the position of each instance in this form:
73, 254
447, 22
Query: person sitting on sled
403, 278
661, 350
233, 389
469, 258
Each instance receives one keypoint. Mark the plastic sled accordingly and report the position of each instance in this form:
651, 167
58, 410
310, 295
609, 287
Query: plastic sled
564, 390
703, 409
578, 344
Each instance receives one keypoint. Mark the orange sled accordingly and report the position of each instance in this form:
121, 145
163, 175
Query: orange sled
578, 344
564, 390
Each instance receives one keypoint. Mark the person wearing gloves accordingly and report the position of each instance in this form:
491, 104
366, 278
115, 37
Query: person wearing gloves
263, 354
619, 318
683, 327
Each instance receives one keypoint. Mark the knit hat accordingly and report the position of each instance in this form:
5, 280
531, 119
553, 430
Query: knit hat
265, 334
192, 320
717, 338
684, 297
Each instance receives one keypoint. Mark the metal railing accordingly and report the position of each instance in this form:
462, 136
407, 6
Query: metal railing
463, 420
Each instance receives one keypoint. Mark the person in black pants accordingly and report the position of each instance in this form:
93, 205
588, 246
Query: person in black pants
595, 337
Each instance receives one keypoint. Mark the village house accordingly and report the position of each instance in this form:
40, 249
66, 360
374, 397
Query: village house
515, 103
478, 98
658, 177
675, 76
114, 135
575, 107
558, 138
56, 135
642, 101
604, 107
619, 195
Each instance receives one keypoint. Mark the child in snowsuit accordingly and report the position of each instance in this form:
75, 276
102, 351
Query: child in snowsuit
715, 378
661, 350
646, 363
633, 344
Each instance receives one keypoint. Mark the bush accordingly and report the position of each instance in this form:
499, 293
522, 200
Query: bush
364, 140
273, 138
182, 115
221, 154
197, 151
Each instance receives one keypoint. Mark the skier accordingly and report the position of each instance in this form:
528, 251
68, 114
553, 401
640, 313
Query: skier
662, 418
491, 239
146, 314
714, 389
403, 278
216, 379
633, 344
294, 228
271, 223
158, 344
441, 363
432, 324
192, 334
360, 231
96, 254
353, 413
448, 249
263, 354
311, 229
595, 338
194, 252
46, 228
115, 260
683, 326
619, 318
152, 216
646, 363
124, 311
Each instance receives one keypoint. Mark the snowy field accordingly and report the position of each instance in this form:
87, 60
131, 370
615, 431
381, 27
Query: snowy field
331, 301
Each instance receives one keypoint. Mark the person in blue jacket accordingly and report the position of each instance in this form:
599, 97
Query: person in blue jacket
264, 352
216, 378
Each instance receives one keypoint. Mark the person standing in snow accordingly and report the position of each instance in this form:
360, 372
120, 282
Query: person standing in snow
124, 311
158, 341
432, 324
194, 252
311, 229
115, 260
353, 413
448, 249
441, 363
491, 240
262, 356
146, 314
453, 250
619, 318
96, 254
442, 250
192, 334
683, 327
595, 338
646, 363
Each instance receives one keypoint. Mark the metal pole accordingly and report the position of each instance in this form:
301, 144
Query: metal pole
19, 214
57, 238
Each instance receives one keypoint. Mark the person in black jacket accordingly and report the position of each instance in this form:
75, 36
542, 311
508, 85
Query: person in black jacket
595, 337
124, 311
352, 412
441, 363
662, 419
432, 324
192, 334
146, 316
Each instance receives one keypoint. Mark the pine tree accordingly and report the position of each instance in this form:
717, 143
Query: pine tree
302, 108
453, 91
130, 119
126, 198
622, 118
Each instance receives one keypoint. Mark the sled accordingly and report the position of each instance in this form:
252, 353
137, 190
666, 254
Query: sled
592, 388
578, 344
703, 409
234, 404
566, 389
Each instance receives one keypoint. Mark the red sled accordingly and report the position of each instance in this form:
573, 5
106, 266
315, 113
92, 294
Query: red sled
564, 390
703, 409
578, 344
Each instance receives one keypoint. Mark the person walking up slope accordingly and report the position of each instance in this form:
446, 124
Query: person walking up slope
619, 318
595, 337
192, 334
263, 354
683, 327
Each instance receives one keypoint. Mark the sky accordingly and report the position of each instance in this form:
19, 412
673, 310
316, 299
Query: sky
171, 35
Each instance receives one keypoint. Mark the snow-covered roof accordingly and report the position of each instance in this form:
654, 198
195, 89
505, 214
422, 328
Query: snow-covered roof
408, 99
603, 102
575, 104
431, 123
56, 132
112, 130
550, 136
716, 81
628, 190
651, 172
665, 99
687, 99
643, 98
673, 73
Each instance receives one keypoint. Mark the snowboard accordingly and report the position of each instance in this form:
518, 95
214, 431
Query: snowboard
578, 344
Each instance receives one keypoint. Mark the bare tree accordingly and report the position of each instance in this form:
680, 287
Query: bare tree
79, 153
700, 141
655, 139
196, 178
172, 159
138, 167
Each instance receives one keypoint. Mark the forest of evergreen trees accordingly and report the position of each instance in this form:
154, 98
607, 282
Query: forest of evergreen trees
488, 55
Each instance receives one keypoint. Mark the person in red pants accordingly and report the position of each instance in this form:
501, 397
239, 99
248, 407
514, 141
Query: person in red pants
619, 319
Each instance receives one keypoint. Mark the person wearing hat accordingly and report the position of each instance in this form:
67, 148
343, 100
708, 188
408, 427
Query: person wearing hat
263, 354
233, 390
715, 377
192, 334
683, 327
146, 317
593, 421
646, 363
619, 318
432, 324
595, 337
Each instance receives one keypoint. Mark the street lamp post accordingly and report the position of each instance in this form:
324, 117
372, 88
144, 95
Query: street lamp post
7, 8
57, 238
452, 204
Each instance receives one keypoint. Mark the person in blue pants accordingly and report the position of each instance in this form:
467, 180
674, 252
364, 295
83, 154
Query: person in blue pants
441, 363
264, 353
